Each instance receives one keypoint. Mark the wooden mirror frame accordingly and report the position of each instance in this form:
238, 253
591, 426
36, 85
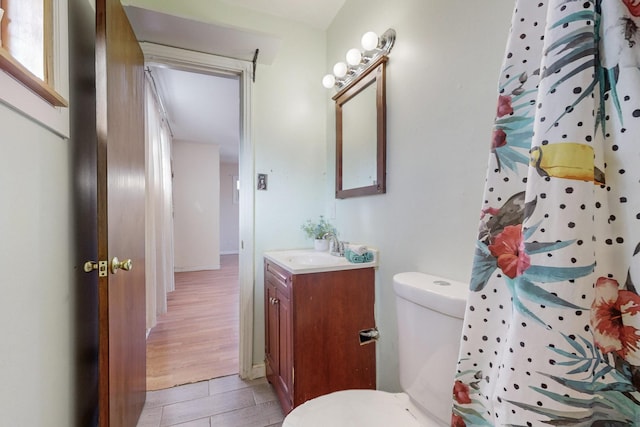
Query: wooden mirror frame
374, 75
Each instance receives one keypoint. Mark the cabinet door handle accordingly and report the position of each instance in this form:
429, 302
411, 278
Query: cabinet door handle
273, 300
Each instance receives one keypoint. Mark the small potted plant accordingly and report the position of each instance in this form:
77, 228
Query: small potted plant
318, 231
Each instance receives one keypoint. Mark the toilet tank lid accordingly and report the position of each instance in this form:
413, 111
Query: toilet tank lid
433, 292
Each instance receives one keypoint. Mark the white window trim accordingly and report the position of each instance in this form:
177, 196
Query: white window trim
21, 99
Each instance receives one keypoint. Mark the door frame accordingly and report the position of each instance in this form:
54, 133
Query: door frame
186, 60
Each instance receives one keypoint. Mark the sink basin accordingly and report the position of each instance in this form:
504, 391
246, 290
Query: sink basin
298, 261
313, 259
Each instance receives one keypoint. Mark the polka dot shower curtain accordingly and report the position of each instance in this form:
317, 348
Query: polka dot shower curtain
551, 331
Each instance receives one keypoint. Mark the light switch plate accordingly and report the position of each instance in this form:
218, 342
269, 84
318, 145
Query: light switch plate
262, 181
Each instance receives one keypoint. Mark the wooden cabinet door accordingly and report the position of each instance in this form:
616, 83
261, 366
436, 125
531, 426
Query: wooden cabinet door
285, 345
330, 310
272, 333
278, 340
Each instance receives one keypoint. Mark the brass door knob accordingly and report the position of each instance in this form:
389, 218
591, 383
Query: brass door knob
116, 265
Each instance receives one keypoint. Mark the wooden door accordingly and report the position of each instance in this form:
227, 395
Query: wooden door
121, 187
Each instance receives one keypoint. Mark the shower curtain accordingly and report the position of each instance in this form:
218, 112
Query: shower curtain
159, 269
551, 331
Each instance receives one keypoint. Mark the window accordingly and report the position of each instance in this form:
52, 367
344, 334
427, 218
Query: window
26, 46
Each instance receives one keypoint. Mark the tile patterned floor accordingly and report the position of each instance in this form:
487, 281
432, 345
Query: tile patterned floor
221, 402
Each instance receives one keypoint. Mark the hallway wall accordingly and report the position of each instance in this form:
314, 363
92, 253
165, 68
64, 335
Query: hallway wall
196, 196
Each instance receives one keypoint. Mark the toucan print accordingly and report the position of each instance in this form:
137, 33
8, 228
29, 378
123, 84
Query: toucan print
568, 160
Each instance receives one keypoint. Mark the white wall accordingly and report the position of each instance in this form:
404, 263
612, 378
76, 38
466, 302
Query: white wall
37, 255
290, 146
36, 260
196, 196
441, 96
229, 213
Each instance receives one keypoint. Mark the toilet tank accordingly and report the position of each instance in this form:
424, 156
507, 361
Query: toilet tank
430, 316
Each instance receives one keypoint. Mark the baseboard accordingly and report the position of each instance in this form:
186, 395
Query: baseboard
235, 252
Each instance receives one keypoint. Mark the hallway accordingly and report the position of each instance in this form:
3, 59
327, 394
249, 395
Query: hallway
197, 339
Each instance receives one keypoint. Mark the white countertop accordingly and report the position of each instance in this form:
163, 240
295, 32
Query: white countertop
303, 261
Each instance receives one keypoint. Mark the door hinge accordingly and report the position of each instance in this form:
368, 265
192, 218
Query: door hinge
101, 266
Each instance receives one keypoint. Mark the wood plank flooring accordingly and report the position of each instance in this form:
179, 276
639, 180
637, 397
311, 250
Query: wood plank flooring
221, 402
197, 339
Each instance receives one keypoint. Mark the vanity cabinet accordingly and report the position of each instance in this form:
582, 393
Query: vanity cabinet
312, 332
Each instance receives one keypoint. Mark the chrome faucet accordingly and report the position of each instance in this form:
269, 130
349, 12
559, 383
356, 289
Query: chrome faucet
336, 247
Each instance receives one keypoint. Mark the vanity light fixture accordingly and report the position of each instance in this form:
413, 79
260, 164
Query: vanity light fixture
358, 61
354, 57
340, 70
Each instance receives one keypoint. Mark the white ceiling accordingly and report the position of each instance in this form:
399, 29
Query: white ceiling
315, 13
205, 108
201, 108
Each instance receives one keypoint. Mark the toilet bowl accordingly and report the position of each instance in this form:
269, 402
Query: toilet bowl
430, 313
370, 408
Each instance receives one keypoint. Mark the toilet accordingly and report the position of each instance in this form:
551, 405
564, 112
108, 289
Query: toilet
430, 315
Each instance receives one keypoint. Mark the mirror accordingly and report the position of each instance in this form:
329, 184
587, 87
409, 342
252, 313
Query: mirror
361, 134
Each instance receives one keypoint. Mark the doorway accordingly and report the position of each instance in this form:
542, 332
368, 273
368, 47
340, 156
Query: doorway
162, 56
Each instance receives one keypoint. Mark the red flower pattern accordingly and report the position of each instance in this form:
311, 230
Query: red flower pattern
499, 139
615, 318
508, 248
633, 6
461, 392
504, 106
457, 421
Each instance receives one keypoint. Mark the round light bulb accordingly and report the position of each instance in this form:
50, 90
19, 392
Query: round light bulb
328, 81
369, 41
340, 69
354, 56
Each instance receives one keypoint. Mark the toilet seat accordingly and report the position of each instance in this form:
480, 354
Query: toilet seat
355, 408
